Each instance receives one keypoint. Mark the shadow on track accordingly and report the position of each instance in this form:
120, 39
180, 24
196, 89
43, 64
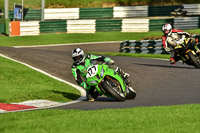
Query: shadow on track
164, 66
105, 99
67, 95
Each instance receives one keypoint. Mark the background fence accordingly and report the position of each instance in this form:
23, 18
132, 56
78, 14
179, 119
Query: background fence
107, 19
108, 25
123, 25
156, 24
186, 23
130, 11
95, 13
2, 28
191, 9
29, 28
135, 25
61, 13
53, 26
81, 26
109, 12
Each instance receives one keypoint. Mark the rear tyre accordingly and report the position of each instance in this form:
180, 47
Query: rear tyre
113, 90
194, 60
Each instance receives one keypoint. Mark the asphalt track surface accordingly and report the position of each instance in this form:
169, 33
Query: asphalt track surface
156, 81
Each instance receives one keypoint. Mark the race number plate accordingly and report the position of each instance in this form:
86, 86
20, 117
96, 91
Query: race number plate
92, 71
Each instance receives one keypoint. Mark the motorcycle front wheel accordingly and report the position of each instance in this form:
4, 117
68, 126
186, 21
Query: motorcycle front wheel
194, 60
130, 93
112, 90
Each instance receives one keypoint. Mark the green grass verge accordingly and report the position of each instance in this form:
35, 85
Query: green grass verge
158, 56
79, 38
95, 3
20, 83
161, 119
73, 38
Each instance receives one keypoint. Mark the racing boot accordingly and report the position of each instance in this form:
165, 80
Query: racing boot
89, 96
172, 61
94, 93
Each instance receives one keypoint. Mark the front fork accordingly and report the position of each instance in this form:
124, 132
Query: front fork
182, 58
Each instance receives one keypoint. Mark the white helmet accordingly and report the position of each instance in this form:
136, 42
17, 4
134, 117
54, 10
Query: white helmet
78, 55
167, 29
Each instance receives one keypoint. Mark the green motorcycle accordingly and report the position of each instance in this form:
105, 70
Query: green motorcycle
108, 82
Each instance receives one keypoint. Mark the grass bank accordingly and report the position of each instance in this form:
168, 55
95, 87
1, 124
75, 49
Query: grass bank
157, 56
73, 38
79, 38
95, 3
19, 83
161, 119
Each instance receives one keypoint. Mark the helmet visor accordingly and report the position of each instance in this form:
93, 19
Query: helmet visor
78, 58
166, 31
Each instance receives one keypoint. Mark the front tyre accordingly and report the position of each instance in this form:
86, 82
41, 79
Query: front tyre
130, 93
193, 59
112, 90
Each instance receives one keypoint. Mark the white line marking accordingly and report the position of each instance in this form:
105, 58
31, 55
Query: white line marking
68, 44
39, 103
2, 111
82, 91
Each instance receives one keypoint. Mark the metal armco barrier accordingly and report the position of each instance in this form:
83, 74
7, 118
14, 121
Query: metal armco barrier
96, 13
108, 25
53, 26
186, 23
104, 19
130, 11
61, 13
192, 9
145, 46
2, 28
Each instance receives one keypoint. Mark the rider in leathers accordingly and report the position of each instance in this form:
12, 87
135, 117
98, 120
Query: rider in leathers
79, 70
171, 38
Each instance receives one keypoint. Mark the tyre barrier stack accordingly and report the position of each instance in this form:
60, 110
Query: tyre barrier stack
145, 46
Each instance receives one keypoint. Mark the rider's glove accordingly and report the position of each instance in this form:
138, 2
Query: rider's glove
112, 62
167, 49
107, 62
197, 50
180, 42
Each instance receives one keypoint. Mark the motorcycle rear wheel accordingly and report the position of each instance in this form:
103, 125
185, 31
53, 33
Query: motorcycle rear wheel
194, 60
113, 91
